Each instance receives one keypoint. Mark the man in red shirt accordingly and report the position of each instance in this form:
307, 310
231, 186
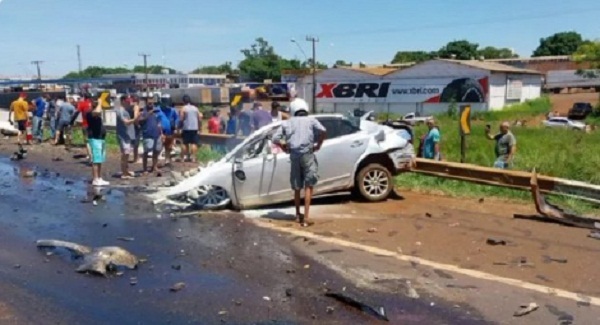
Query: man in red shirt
214, 123
83, 107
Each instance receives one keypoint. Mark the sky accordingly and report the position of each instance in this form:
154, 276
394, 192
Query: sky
185, 34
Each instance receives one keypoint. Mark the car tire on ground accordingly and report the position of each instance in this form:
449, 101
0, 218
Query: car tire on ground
373, 183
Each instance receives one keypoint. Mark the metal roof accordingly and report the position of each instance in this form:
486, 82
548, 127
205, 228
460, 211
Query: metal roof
569, 78
377, 71
59, 81
533, 59
492, 66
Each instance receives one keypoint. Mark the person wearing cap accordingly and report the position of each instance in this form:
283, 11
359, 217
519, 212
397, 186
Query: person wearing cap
506, 145
19, 109
191, 121
297, 137
96, 135
152, 135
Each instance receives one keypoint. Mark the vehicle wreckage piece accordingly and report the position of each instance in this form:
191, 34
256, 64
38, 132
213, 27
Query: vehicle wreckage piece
96, 260
554, 213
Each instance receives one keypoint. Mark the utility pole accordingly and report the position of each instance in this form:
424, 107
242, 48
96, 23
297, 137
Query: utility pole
37, 64
314, 41
79, 58
145, 56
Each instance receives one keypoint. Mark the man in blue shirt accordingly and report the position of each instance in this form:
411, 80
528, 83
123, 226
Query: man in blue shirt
151, 135
169, 120
38, 117
431, 145
245, 121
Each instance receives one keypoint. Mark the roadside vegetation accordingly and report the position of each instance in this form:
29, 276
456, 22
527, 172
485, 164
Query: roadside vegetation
554, 152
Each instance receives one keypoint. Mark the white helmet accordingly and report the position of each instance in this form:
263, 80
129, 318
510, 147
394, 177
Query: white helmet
298, 105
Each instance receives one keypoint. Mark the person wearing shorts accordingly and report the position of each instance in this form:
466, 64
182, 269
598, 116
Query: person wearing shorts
20, 109
65, 113
96, 135
84, 106
169, 120
125, 135
151, 136
297, 137
191, 120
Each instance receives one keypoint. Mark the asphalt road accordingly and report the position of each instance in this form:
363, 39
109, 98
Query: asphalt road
234, 271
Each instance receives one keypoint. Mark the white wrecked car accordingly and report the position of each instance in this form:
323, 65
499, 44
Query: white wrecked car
7, 128
357, 155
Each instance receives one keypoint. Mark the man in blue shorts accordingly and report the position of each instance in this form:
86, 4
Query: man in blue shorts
169, 120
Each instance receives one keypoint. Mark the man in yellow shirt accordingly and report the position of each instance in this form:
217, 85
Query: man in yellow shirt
20, 109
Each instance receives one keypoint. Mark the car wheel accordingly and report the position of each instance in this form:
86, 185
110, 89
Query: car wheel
374, 183
211, 197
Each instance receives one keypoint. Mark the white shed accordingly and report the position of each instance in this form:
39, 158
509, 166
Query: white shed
429, 87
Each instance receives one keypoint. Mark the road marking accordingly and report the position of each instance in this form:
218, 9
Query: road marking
441, 266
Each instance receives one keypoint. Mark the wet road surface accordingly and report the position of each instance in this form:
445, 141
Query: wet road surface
234, 272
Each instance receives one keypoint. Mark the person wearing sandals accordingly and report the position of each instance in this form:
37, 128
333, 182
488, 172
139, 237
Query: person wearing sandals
191, 120
125, 136
297, 137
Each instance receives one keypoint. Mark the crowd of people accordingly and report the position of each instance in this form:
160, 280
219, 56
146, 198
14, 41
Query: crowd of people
151, 123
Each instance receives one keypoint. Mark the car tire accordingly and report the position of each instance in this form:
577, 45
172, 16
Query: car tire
374, 183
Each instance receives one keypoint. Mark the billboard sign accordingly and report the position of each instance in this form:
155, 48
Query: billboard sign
461, 90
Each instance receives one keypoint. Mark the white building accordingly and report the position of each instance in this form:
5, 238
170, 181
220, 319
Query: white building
428, 87
182, 80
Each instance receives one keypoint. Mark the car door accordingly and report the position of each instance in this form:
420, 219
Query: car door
344, 145
249, 172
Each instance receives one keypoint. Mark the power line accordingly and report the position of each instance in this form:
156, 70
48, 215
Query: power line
314, 41
79, 58
145, 56
37, 64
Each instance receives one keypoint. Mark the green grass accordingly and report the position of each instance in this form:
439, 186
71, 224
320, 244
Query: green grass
554, 152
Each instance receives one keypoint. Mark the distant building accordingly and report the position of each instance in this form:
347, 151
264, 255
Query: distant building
137, 81
427, 88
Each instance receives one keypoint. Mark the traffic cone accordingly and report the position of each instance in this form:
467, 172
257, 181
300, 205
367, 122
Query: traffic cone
29, 132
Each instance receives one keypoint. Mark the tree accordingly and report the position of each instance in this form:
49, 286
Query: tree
413, 56
319, 65
225, 68
564, 43
589, 53
154, 69
460, 50
342, 63
95, 72
490, 52
261, 62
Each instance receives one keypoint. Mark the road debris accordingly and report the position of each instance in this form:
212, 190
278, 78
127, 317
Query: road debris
551, 212
526, 309
329, 309
410, 291
495, 242
17, 266
126, 238
372, 230
594, 235
379, 314
266, 298
133, 281
288, 292
548, 259
96, 260
428, 215
177, 286
176, 267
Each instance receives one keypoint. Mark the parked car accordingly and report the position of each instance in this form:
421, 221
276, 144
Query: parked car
414, 118
580, 111
563, 122
8, 129
363, 159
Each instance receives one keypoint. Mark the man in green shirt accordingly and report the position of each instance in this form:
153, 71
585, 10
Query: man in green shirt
506, 145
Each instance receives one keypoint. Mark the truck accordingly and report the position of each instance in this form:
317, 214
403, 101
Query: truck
414, 118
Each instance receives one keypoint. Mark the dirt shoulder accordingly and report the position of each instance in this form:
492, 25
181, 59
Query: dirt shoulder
454, 231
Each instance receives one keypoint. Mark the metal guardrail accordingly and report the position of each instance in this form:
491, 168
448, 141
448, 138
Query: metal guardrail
472, 173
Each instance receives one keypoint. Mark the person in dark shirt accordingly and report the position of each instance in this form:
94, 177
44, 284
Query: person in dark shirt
96, 135
152, 135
